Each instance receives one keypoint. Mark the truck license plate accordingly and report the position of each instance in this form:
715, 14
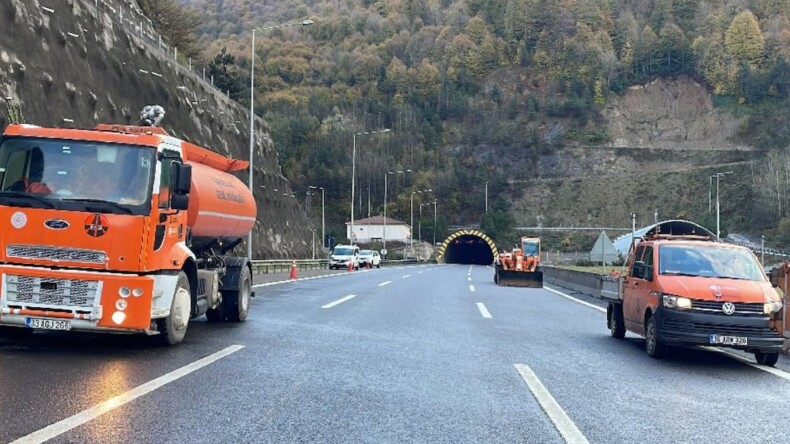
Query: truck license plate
728, 340
48, 324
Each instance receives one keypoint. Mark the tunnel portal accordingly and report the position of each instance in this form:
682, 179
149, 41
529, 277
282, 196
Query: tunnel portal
467, 247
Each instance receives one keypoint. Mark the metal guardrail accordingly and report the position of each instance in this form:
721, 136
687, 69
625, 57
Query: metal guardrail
284, 265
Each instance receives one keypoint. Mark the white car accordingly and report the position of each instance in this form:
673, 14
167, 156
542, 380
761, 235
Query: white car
343, 255
371, 257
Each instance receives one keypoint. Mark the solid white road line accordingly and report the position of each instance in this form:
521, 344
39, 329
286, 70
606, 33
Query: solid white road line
570, 433
339, 301
771, 370
60, 427
774, 371
483, 310
472, 288
385, 283
576, 300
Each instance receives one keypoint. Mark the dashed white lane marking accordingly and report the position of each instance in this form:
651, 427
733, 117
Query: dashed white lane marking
576, 300
385, 283
774, 371
483, 310
60, 427
469, 279
470, 269
472, 288
564, 424
406, 276
339, 301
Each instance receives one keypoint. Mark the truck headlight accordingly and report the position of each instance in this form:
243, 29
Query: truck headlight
680, 303
772, 307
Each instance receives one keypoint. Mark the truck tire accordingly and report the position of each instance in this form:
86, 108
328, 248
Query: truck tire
173, 328
616, 322
768, 359
238, 302
655, 348
235, 305
15, 332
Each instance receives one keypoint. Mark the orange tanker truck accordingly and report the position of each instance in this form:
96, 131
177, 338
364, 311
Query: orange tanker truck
119, 229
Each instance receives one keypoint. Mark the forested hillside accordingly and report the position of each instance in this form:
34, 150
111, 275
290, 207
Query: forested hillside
476, 91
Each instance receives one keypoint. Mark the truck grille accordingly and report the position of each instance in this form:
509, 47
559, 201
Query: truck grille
677, 325
50, 291
715, 306
56, 254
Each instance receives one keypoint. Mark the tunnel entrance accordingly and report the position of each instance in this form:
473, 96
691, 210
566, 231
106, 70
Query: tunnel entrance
467, 247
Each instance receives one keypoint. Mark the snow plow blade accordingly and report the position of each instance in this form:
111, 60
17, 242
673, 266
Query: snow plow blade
510, 278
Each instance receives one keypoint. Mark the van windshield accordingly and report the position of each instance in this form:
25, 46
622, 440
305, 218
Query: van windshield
344, 251
709, 261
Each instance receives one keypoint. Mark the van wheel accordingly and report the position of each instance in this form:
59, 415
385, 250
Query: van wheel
768, 359
378, 265
654, 347
173, 328
615, 320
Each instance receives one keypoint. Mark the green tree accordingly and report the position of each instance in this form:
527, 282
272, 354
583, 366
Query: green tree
225, 74
176, 24
744, 40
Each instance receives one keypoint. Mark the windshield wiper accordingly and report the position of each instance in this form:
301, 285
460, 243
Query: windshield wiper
104, 202
680, 273
21, 195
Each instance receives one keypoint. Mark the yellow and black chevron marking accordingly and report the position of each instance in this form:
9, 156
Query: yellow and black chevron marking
457, 234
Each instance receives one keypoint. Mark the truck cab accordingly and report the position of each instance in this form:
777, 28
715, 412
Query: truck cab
685, 288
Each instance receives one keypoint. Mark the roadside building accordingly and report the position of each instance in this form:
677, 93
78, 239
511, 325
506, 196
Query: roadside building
372, 230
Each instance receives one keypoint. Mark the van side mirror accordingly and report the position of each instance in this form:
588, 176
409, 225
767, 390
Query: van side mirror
181, 178
643, 271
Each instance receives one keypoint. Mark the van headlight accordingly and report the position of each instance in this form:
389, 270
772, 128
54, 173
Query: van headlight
677, 302
772, 307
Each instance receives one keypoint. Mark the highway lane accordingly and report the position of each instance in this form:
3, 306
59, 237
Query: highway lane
411, 356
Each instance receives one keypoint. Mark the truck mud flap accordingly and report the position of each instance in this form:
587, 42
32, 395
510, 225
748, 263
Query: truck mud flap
509, 278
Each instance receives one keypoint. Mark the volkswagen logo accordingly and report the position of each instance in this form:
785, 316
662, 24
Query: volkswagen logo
56, 224
728, 308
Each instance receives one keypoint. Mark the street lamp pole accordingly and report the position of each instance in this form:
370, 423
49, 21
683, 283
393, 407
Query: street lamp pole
323, 224
385, 200
354, 174
434, 222
411, 205
252, 110
718, 204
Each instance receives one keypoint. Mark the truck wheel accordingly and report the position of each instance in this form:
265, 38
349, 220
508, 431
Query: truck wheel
654, 347
15, 332
768, 359
615, 320
173, 328
237, 303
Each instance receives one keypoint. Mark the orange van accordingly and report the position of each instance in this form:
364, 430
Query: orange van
684, 288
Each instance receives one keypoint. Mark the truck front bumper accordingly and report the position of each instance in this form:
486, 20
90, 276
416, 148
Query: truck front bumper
689, 328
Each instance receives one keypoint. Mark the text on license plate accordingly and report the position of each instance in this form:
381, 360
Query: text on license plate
728, 340
48, 324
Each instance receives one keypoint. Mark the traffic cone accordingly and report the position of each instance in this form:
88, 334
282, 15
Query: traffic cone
370, 265
293, 271
350, 265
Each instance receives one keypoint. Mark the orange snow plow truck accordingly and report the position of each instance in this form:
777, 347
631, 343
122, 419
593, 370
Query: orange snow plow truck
119, 229
520, 267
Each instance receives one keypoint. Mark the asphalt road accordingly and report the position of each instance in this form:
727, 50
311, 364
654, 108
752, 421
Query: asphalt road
418, 354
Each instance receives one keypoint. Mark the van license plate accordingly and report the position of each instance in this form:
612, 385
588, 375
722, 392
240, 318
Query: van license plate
728, 340
48, 324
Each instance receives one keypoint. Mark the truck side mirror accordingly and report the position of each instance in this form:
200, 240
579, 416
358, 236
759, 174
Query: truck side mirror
179, 201
181, 178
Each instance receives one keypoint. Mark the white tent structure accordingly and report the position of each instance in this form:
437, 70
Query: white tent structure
604, 251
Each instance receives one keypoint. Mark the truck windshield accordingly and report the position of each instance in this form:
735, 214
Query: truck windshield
75, 171
709, 261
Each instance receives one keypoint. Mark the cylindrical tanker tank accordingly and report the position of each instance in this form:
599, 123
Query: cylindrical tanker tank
220, 205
